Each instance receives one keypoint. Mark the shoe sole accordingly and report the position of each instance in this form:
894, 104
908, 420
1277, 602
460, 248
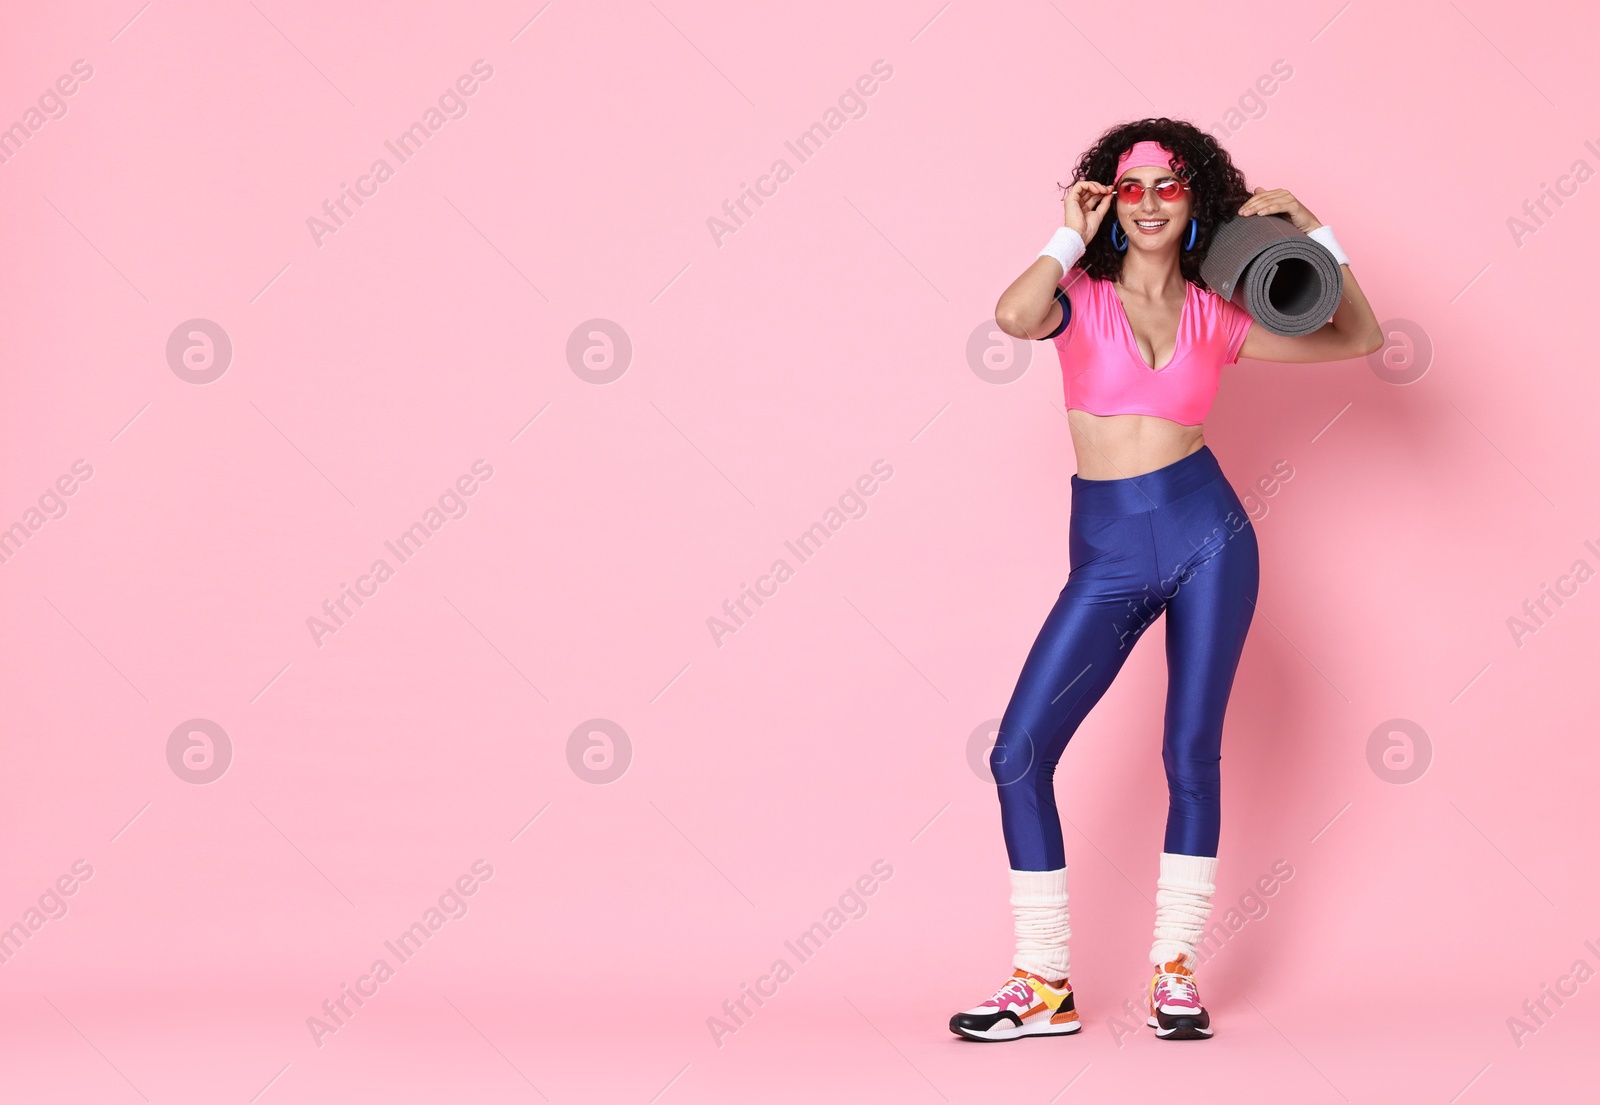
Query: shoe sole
1026, 1032
1182, 1028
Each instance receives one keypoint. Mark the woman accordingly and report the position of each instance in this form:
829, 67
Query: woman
1155, 528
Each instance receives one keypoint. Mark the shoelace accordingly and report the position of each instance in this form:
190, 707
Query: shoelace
1016, 989
1178, 986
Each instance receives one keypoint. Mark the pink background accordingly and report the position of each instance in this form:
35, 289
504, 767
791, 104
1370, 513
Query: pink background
766, 774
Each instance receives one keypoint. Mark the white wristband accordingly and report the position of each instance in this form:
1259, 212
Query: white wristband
1323, 236
1066, 246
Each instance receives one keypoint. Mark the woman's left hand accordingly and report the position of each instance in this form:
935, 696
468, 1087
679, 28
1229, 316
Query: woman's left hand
1279, 201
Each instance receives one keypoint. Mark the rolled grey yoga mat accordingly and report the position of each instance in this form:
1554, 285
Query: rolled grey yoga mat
1289, 283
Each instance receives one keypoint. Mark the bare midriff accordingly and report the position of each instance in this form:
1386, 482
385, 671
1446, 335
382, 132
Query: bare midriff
1116, 446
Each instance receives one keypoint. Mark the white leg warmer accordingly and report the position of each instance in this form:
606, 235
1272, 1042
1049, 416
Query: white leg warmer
1039, 906
1183, 905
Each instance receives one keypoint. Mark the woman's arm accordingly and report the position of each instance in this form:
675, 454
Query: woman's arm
1028, 308
1354, 330
1019, 312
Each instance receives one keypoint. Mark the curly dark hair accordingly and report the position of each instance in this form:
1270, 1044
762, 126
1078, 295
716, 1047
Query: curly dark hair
1217, 188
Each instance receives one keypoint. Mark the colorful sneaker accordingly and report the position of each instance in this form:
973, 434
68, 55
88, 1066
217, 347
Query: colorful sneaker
1027, 1005
1175, 1009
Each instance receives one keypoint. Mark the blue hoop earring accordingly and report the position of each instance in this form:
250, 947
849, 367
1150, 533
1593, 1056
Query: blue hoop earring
1194, 229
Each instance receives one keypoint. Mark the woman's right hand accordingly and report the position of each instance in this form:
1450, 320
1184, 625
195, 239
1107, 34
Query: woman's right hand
1085, 204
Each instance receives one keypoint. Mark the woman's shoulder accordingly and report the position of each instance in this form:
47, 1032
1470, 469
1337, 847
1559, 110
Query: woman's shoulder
1213, 304
1079, 282
1084, 295
1225, 321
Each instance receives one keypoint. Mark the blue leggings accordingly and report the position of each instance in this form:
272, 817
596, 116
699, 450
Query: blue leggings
1176, 539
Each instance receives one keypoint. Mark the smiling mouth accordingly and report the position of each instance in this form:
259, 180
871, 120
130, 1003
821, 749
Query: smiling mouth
1150, 226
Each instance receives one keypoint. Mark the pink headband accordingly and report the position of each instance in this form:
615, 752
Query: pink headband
1144, 153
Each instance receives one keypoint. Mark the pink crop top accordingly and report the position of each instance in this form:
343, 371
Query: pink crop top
1104, 372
